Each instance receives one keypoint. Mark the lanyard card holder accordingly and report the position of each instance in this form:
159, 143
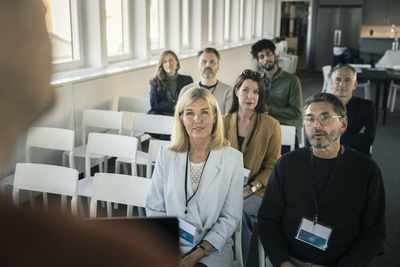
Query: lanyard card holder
314, 233
187, 232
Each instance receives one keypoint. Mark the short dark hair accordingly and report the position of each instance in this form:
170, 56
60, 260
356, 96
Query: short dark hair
342, 66
337, 104
209, 50
248, 74
261, 45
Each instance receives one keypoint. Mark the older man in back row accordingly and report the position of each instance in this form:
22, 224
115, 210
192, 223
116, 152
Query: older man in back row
325, 204
361, 127
208, 67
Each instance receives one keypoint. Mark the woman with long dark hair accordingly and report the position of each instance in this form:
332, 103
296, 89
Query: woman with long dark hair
166, 84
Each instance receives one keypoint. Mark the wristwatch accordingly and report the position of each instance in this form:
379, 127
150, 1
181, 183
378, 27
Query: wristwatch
206, 252
254, 188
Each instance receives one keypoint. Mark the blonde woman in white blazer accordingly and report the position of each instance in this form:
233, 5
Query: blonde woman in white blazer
199, 179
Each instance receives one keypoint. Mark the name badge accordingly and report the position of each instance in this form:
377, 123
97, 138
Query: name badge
187, 231
246, 173
314, 234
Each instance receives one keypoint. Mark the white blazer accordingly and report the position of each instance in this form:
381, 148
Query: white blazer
215, 209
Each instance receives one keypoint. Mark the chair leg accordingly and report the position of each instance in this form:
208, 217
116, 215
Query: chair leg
141, 212
125, 166
109, 209
129, 211
45, 201
32, 200
393, 99
64, 203
389, 97
80, 206
105, 164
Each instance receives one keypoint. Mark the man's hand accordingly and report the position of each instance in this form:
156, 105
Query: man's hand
247, 191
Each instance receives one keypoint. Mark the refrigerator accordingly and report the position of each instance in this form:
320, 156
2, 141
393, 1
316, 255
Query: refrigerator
337, 28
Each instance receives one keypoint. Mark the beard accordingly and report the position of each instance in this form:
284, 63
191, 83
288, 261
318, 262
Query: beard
321, 142
208, 73
268, 66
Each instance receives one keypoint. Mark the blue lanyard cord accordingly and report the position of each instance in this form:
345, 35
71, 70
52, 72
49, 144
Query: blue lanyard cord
314, 190
186, 178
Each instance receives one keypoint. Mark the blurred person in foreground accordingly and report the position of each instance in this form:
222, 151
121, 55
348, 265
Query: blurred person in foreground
258, 137
199, 179
31, 237
324, 204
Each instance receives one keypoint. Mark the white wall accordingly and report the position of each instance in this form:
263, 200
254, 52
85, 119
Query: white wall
102, 93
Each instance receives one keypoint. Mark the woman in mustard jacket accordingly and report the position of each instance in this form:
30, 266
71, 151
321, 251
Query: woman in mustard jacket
258, 137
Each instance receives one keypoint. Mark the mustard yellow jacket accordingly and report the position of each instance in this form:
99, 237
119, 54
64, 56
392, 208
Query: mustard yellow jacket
264, 147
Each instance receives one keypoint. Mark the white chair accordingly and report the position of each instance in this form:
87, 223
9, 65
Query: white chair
288, 136
392, 95
134, 104
326, 71
112, 145
293, 63
46, 138
118, 188
154, 149
93, 118
149, 123
48, 179
367, 88
284, 63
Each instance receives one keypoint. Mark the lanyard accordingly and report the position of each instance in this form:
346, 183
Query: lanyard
186, 178
251, 134
209, 88
314, 189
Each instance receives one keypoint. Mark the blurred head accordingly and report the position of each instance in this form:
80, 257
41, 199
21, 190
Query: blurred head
344, 81
197, 115
324, 119
208, 62
25, 68
264, 51
248, 91
168, 64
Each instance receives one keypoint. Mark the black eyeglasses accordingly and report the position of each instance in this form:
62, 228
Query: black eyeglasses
251, 73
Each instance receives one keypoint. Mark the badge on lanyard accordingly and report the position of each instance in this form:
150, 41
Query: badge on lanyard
187, 232
246, 173
314, 233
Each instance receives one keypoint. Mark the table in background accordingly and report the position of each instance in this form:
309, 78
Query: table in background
380, 76
389, 59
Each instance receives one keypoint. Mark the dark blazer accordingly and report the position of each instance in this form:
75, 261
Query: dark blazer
360, 113
158, 99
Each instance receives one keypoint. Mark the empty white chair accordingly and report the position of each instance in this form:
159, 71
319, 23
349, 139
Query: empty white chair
149, 123
285, 63
134, 104
48, 179
288, 136
367, 88
46, 138
392, 95
111, 145
93, 118
118, 188
326, 71
154, 149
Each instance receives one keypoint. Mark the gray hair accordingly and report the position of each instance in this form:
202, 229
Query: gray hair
337, 104
341, 66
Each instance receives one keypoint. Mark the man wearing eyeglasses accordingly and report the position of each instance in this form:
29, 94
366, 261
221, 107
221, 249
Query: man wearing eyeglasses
208, 66
283, 94
361, 127
324, 205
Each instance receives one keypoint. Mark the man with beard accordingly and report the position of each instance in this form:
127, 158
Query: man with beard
360, 132
325, 204
283, 95
208, 67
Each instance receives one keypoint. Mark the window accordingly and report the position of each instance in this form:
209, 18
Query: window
61, 19
241, 19
157, 40
185, 23
210, 21
227, 25
117, 27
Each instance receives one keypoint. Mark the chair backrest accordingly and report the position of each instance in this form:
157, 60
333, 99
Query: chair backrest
154, 149
112, 145
47, 179
134, 104
288, 136
150, 123
106, 119
326, 71
119, 188
50, 138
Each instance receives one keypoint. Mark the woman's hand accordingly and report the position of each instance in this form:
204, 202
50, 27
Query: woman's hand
246, 191
191, 259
